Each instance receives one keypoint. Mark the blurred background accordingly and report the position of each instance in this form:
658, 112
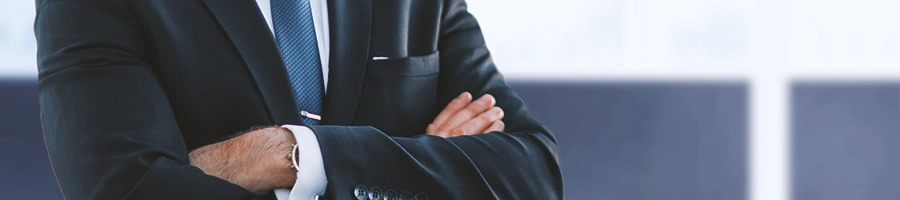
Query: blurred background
649, 99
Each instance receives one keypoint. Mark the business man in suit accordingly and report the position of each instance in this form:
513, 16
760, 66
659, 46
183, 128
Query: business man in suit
185, 99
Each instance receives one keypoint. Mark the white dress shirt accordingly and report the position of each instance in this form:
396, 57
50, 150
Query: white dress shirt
311, 179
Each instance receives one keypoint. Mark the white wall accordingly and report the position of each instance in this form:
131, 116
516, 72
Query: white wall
692, 38
17, 48
639, 38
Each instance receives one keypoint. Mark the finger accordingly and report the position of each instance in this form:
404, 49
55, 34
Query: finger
456, 132
473, 109
482, 121
432, 130
496, 126
454, 106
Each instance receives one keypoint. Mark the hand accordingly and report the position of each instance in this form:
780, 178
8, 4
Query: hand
462, 116
256, 160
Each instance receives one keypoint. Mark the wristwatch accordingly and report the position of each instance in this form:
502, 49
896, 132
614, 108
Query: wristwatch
295, 151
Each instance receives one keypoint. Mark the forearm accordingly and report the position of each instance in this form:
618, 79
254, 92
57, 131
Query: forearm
517, 165
256, 160
441, 168
215, 160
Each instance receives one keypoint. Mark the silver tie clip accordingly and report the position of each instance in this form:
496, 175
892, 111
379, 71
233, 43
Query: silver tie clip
310, 115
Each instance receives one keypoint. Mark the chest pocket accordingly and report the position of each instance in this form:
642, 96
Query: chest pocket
399, 94
406, 66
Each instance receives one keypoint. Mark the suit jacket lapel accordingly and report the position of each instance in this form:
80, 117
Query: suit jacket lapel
245, 25
350, 25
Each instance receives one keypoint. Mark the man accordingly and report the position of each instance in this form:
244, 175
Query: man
185, 99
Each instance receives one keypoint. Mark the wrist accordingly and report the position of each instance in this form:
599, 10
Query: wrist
310, 157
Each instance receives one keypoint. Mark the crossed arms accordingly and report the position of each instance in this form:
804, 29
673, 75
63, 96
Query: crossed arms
255, 160
112, 131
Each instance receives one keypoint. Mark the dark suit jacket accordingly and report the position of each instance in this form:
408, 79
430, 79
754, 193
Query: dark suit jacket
129, 87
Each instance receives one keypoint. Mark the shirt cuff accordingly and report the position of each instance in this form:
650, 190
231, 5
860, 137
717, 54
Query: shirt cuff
311, 179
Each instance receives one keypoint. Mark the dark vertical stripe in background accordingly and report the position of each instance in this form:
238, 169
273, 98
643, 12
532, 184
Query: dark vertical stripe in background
651, 140
24, 166
846, 141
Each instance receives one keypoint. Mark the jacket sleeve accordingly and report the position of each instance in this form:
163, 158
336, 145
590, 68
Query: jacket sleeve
521, 163
109, 129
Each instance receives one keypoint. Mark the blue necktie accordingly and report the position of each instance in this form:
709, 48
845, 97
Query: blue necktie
296, 38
